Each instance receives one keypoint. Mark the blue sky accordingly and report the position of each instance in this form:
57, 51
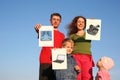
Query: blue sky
19, 50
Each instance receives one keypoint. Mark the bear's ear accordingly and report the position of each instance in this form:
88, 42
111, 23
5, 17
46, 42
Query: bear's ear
97, 26
91, 25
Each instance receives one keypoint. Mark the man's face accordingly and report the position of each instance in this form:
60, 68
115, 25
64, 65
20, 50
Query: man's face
55, 21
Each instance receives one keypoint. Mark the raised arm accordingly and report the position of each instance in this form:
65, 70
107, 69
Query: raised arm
37, 27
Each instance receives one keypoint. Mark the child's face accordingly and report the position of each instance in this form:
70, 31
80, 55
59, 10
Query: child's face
99, 64
69, 47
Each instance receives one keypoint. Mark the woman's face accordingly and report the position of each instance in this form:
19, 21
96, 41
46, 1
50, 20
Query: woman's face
80, 24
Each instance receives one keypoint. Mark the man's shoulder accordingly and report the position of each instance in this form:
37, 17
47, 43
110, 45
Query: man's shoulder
60, 33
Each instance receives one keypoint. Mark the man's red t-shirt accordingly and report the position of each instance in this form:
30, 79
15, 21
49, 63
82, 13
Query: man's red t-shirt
45, 55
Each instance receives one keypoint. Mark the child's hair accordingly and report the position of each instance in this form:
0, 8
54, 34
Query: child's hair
67, 40
107, 62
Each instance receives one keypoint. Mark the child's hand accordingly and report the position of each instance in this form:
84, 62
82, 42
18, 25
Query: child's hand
77, 68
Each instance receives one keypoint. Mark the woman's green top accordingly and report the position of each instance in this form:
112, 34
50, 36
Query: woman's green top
81, 46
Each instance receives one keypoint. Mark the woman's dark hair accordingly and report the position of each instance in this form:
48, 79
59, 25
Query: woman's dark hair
72, 27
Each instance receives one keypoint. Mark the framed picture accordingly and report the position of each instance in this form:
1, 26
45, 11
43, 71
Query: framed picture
59, 58
46, 36
93, 29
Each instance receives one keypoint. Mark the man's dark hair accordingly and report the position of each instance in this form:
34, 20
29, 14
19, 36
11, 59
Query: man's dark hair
55, 14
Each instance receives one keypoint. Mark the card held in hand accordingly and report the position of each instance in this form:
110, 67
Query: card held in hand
59, 58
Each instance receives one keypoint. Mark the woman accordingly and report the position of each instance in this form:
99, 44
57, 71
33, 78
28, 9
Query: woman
82, 47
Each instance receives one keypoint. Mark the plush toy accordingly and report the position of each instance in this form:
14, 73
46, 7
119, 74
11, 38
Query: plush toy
104, 65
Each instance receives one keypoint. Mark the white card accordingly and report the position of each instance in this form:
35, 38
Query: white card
93, 29
59, 58
46, 37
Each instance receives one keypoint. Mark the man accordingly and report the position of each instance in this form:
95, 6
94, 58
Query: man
46, 72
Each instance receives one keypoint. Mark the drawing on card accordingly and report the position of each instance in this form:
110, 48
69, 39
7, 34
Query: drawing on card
60, 58
93, 29
46, 35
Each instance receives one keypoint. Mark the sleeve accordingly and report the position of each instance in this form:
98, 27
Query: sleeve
71, 36
98, 77
73, 61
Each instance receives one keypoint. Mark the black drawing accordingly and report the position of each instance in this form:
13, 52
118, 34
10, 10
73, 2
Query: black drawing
93, 30
60, 58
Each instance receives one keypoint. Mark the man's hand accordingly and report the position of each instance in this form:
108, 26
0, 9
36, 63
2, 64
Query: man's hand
37, 27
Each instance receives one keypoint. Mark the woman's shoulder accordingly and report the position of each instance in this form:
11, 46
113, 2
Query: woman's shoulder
72, 35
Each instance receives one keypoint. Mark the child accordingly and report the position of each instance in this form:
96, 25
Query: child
104, 65
72, 69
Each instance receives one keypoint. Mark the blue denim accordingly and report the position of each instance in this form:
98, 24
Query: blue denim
69, 73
